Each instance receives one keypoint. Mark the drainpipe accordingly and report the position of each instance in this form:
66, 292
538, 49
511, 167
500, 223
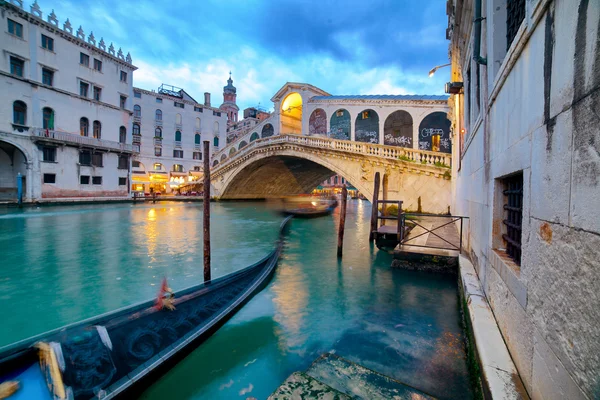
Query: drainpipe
476, 48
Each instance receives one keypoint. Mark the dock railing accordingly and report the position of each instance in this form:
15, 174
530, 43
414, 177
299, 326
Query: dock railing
445, 235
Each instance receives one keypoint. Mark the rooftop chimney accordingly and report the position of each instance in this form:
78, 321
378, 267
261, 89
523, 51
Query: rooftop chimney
207, 99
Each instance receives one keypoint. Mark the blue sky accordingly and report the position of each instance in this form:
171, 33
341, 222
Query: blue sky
340, 46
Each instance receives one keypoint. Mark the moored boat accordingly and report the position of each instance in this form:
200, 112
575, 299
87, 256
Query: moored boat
119, 353
312, 211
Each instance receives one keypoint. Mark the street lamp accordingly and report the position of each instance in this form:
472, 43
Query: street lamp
436, 68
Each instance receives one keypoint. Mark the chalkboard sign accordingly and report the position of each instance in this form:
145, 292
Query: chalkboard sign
340, 125
434, 133
367, 127
398, 129
317, 123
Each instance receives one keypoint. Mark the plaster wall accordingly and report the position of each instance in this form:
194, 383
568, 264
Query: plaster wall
542, 122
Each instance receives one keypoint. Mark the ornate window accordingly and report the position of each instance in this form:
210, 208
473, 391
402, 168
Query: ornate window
177, 136
158, 133
158, 115
19, 112
84, 126
197, 138
137, 111
47, 118
136, 129
122, 134
97, 129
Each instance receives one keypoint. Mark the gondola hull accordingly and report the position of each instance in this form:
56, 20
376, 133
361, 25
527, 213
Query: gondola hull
311, 212
121, 353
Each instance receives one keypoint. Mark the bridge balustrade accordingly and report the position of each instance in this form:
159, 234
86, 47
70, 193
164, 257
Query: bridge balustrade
377, 150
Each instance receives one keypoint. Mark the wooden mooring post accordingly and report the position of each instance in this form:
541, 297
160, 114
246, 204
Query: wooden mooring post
374, 208
206, 219
342, 221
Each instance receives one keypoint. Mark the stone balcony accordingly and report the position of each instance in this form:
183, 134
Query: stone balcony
70, 139
158, 141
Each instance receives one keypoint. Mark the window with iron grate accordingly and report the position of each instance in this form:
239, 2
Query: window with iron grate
515, 14
513, 215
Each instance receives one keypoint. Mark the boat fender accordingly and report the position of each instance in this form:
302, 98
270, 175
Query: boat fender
103, 333
50, 366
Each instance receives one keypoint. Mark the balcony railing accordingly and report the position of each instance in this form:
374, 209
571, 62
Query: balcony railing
177, 143
158, 141
64, 137
197, 146
158, 122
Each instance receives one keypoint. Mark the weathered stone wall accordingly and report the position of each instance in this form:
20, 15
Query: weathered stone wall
543, 120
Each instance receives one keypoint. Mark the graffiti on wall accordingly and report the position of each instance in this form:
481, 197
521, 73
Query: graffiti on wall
317, 123
340, 125
398, 129
434, 133
367, 127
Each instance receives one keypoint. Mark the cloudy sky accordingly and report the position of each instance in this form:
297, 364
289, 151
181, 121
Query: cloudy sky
340, 46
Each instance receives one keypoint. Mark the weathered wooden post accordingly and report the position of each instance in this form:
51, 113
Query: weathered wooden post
400, 223
206, 204
342, 221
374, 208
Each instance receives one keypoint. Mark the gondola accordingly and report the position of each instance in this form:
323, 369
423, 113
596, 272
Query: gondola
311, 212
118, 354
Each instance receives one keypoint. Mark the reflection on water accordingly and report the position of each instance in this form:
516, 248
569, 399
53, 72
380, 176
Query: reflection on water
62, 264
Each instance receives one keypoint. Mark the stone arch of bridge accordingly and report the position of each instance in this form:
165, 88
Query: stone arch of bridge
284, 173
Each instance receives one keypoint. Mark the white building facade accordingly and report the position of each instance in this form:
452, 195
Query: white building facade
528, 178
64, 109
71, 124
172, 127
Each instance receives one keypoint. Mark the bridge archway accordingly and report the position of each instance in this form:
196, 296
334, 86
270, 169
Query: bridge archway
13, 161
367, 127
243, 144
254, 136
291, 114
267, 131
398, 129
434, 133
340, 125
317, 123
272, 176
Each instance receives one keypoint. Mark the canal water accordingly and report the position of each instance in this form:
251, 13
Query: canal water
62, 264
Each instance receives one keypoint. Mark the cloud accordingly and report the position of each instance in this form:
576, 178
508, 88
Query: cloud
343, 47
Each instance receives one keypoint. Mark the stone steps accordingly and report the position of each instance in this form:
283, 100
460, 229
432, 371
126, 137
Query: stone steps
333, 377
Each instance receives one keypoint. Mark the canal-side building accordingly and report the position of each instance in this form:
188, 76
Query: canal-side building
527, 175
64, 110
169, 127
252, 117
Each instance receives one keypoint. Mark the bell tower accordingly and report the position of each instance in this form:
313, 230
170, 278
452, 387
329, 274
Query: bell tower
229, 106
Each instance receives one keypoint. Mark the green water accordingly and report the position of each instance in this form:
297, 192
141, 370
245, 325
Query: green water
63, 264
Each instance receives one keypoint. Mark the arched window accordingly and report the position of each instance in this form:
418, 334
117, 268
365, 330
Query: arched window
19, 113
122, 134
84, 126
317, 123
47, 118
97, 129
216, 141
232, 151
197, 138
366, 127
340, 125
223, 157
434, 133
254, 136
137, 111
243, 144
398, 129
178, 119
267, 131
216, 128
178, 136
158, 133
198, 123
158, 115
136, 129
215, 163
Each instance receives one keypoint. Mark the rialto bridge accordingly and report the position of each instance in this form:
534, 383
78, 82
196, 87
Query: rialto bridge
313, 135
